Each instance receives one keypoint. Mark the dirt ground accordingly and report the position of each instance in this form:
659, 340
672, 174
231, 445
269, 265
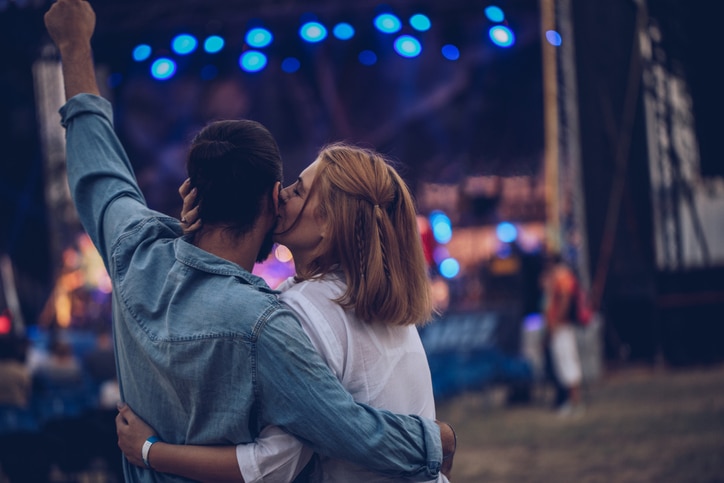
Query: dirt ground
639, 425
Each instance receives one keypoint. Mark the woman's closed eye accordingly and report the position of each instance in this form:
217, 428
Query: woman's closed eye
297, 188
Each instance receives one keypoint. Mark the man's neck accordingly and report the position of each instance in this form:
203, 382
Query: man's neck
241, 250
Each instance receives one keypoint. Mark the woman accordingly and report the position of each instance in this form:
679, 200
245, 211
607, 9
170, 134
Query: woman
361, 287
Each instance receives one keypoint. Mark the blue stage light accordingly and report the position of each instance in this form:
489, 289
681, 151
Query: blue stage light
437, 216
141, 52
387, 23
343, 31
252, 61
449, 268
420, 22
441, 226
553, 38
313, 32
494, 14
367, 57
290, 65
506, 232
450, 52
184, 44
408, 46
163, 68
213, 44
442, 233
259, 37
502, 36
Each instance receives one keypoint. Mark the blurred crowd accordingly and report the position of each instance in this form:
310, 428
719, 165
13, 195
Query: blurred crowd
58, 398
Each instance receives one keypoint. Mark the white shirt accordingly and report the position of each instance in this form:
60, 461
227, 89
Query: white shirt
380, 365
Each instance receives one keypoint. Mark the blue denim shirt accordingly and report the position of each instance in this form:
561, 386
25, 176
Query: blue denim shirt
205, 351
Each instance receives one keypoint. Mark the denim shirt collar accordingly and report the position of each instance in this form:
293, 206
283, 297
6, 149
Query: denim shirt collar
193, 256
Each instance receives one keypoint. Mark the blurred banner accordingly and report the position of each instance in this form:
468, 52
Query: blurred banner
687, 206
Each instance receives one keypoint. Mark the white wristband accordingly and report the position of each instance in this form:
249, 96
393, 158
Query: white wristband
146, 447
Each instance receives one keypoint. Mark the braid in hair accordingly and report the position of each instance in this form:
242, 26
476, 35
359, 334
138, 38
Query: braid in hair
359, 234
379, 213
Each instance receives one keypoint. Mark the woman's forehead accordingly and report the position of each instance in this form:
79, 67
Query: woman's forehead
309, 172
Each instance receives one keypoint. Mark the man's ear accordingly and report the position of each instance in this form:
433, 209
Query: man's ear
276, 193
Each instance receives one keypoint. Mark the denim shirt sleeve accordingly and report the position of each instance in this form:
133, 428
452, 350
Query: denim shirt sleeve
99, 172
299, 393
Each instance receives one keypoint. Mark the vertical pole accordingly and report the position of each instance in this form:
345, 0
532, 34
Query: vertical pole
572, 139
63, 223
550, 129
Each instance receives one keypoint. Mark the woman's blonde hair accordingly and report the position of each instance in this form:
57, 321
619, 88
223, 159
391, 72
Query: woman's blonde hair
372, 235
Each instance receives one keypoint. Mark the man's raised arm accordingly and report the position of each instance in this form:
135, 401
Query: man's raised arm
100, 176
70, 24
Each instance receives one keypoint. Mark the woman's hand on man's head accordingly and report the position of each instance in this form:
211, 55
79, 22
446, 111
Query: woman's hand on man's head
190, 221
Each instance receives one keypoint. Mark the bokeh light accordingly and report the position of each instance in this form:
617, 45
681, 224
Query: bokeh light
450, 52
449, 268
259, 37
290, 65
283, 254
407, 46
494, 14
343, 31
420, 22
313, 32
163, 68
553, 38
141, 52
387, 23
367, 57
252, 61
441, 226
506, 232
184, 44
213, 44
502, 36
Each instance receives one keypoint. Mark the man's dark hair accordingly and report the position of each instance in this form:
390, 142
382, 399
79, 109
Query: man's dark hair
234, 165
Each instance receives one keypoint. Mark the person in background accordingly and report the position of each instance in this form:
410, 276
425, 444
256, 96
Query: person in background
559, 289
204, 348
360, 289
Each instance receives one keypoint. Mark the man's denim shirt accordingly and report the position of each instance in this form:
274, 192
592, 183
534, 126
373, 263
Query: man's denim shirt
205, 351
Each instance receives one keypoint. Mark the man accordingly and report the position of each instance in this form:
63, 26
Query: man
204, 349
